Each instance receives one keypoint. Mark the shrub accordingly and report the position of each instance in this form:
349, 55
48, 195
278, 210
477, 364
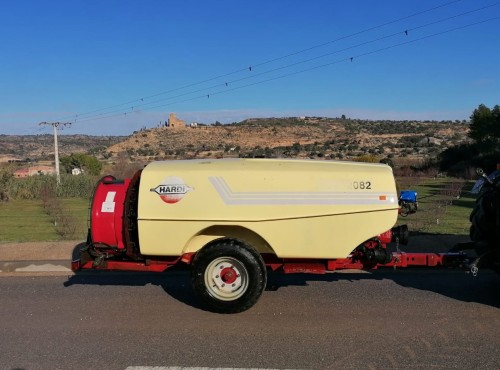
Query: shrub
66, 224
366, 158
6, 177
85, 162
37, 187
123, 168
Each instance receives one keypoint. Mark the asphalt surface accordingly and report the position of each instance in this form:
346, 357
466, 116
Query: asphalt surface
403, 319
53, 318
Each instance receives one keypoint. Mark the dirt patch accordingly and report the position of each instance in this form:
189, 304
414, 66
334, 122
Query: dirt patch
37, 251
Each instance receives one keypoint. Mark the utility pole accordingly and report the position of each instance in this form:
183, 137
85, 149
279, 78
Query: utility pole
55, 125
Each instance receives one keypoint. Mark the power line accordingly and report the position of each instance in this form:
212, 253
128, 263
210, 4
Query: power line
347, 59
255, 75
363, 54
250, 67
359, 32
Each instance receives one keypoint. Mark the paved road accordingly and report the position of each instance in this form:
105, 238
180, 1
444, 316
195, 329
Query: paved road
414, 319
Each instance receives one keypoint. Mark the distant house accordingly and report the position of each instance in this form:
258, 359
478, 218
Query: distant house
23, 172
33, 171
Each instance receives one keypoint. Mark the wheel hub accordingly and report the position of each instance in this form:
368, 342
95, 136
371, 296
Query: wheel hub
226, 278
229, 275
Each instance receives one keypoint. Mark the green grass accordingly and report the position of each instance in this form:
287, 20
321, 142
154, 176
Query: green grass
440, 212
79, 208
27, 221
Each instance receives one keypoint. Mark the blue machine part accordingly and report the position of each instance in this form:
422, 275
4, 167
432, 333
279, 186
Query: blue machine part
476, 189
408, 196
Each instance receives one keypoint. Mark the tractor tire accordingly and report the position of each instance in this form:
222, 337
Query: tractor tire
484, 229
228, 275
483, 218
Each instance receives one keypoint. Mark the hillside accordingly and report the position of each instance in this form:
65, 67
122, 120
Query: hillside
41, 147
305, 137
294, 137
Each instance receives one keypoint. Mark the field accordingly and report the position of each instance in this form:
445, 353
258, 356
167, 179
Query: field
444, 208
28, 220
444, 205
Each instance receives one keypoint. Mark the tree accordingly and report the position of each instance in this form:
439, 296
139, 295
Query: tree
484, 152
85, 162
6, 175
388, 161
485, 124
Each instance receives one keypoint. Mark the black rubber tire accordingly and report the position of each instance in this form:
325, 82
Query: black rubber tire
484, 229
244, 264
484, 217
404, 209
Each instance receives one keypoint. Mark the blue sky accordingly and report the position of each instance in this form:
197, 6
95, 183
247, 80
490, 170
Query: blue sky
112, 67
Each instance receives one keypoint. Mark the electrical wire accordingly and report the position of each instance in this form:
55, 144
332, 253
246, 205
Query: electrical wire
320, 56
347, 59
255, 75
249, 68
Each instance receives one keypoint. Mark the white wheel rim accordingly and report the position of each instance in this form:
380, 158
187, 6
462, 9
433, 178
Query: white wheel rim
226, 278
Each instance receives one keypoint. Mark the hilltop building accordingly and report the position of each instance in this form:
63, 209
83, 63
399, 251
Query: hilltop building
174, 122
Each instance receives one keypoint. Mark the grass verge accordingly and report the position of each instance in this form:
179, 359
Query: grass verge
444, 205
27, 221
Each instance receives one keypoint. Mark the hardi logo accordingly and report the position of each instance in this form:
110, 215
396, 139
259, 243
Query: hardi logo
172, 189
